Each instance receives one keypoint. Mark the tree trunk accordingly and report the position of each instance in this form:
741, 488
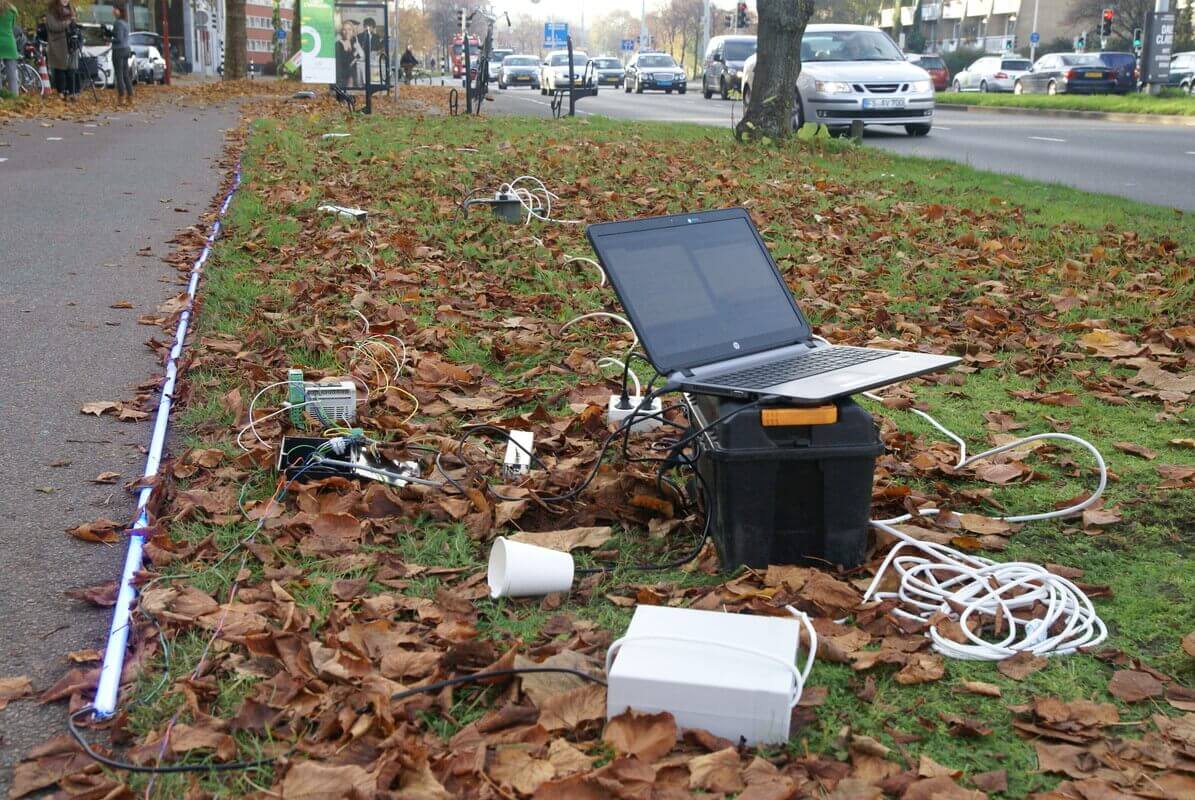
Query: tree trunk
296, 35
236, 50
777, 65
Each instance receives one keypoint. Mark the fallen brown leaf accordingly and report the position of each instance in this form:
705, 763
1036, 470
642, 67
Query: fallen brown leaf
1133, 686
647, 736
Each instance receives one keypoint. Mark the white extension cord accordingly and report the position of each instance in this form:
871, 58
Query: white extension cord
940, 580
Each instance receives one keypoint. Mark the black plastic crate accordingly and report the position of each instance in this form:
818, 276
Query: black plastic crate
794, 494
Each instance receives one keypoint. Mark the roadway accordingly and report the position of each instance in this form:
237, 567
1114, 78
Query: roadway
1153, 163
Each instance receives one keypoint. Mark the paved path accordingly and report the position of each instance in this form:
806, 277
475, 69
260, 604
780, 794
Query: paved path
1153, 163
78, 202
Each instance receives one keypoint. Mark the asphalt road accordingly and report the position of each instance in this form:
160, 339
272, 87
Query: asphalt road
78, 202
1152, 163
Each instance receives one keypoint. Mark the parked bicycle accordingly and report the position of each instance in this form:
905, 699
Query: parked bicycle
481, 83
28, 78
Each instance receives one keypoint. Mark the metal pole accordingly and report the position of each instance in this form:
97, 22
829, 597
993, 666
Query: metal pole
1033, 45
705, 32
642, 25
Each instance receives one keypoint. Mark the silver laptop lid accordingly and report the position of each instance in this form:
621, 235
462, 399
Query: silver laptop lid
699, 288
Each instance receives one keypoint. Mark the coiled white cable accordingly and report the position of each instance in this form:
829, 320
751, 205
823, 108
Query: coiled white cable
536, 201
1026, 600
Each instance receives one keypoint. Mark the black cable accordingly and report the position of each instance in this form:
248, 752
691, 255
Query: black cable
487, 675
230, 766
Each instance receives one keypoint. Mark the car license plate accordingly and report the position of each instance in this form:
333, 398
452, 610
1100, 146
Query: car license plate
522, 77
883, 102
1094, 74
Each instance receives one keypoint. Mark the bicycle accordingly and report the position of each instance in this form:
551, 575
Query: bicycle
28, 78
482, 82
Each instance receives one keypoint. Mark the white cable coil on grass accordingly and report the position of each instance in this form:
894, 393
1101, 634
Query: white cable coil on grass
1026, 599
536, 201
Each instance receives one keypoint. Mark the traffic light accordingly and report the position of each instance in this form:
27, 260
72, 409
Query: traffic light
1136, 38
730, 20
460, 18
1081, 42
1106, 22
1010, 43
741, 20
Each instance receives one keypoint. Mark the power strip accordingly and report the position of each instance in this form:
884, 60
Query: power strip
616, 413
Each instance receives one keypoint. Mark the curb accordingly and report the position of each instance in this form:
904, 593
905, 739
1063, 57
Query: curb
1109, 116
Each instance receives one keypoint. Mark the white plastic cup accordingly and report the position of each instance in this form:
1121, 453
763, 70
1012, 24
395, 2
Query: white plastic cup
525, 570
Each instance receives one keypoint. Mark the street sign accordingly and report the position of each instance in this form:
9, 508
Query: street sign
281, 34
1034, 37
628, 45
1159, 41
555, 35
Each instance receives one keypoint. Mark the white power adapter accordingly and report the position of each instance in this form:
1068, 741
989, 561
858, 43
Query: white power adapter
616, 413
331, 402
517, 461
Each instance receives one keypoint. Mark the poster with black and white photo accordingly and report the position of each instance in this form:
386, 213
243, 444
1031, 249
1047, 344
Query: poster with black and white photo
362, 42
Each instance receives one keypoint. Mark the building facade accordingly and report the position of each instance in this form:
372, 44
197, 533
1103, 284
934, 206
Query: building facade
991, 25
260, 34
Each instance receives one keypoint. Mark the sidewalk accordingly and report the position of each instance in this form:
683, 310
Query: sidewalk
89, 209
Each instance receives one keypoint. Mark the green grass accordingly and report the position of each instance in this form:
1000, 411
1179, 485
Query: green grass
878, 232
1172, 102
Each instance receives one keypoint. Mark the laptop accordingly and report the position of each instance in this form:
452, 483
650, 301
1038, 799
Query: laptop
715, 316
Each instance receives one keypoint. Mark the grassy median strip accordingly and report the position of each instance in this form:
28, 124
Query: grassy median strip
1070, 309
1171, 102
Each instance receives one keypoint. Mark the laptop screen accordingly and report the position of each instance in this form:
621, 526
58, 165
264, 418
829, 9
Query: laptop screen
698, 288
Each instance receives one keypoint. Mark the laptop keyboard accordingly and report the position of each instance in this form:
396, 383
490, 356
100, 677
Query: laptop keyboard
817, 362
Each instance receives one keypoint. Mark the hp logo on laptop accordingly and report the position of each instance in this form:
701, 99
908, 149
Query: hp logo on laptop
735, 345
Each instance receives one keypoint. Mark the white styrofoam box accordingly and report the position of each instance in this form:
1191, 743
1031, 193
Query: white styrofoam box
706, 683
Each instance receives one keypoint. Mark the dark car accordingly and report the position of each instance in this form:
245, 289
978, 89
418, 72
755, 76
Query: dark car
1125, 66
723, 65
608, 70
1182, 72
1067, 73
654, 71
936, 68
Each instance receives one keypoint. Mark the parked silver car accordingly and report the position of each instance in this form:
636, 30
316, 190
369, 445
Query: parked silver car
991, 74
856, 72
148, 65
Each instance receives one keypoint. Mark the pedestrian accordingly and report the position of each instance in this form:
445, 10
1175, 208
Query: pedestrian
8, 47
63, 59
121, 52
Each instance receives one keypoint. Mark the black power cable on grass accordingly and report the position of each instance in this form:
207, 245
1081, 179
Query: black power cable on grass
125, 766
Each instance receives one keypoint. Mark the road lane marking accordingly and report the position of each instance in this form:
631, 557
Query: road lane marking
1047, 139
943, 128
1191, 152
2, 160
53, 138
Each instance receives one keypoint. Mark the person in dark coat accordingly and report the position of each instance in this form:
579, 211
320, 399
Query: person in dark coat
62, 59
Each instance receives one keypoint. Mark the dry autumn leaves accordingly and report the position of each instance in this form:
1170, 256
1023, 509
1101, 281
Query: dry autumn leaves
354, 591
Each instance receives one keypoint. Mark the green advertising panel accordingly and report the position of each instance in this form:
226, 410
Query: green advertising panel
318, 46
